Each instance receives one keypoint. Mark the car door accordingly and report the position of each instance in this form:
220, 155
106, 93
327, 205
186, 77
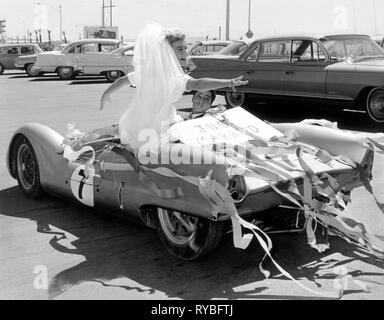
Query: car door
87, 57
265, 65
306, 74
94, 57
11, 53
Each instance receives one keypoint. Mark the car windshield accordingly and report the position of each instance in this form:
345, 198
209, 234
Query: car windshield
353, 48
234, 49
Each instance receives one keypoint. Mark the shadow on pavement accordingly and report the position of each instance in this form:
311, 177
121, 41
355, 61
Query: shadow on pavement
289, 112
127, 255
93, 81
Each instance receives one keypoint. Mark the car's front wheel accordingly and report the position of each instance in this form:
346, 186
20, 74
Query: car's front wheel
185, 236
235, 99
2, 68
375, 105
31, 71
113, 75
66, 73
27, 168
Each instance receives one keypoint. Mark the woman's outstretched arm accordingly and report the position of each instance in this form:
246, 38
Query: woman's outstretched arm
112, 88
213, 84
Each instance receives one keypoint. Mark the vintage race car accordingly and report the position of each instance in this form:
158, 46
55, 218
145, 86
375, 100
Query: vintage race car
105, 57
219, 171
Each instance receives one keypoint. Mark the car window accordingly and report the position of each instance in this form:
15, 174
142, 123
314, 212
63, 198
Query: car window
106, 48
235, 48
275, 51
307, 51
255, 53
198, 51
214, 48
27, 50
352, 48
89, 47
12, 50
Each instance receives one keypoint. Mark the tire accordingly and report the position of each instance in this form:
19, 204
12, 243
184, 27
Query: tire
113, 75
30, 72
235, 99
375, 105
187, 244
27, 168
66, 73
2, 68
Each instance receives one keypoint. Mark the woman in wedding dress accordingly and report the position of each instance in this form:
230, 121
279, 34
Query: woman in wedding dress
159, 55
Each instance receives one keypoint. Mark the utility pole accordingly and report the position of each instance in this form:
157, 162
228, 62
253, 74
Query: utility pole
227, 20
249, 33
106, 19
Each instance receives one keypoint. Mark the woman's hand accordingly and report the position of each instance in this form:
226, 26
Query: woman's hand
235, 82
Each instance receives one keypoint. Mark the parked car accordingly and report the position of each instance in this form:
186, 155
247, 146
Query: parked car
182, 200
27, 63
87, 57
9, 53
379, 40
204, 48
342, 70
233, 49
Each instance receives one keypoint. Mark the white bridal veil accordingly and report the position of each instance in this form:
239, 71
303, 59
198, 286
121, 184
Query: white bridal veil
160, 82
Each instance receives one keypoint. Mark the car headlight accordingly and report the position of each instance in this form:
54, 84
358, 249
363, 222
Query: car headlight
237, 188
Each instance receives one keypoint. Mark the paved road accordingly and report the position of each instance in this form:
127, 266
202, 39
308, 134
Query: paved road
90, 255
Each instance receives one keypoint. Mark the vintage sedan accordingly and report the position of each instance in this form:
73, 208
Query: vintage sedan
10, 53
27, 62
209, 47
88, 57
345, 71
195, 187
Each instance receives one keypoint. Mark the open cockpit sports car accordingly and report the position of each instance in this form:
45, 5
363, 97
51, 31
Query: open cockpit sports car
220, 170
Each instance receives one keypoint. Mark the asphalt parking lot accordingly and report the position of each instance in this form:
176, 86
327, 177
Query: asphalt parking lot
91, 255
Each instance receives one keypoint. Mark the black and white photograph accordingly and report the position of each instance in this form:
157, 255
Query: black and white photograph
192, 154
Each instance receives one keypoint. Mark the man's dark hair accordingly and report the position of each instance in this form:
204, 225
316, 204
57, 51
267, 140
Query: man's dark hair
212, 92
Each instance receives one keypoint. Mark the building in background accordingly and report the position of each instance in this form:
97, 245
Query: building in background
100, 32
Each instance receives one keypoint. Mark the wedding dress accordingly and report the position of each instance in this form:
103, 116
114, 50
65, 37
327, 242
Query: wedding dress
159, 81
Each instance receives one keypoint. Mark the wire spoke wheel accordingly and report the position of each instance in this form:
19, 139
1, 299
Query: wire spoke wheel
27, 168
187, 237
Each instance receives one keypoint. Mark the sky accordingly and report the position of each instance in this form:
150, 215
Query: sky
198, 18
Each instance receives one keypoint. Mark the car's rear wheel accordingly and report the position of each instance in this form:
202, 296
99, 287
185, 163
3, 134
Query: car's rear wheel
375, 105
66, 73
113, 75
2, 68
185, 236
30, 71
27, 168
234, 99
